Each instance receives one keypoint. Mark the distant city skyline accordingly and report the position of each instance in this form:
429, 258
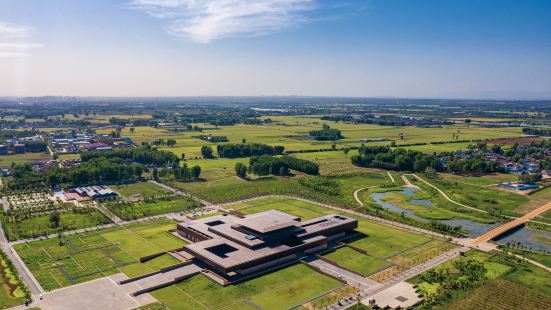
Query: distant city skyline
357, 48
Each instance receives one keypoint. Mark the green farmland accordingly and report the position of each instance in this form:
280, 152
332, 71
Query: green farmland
95, 254
290, 132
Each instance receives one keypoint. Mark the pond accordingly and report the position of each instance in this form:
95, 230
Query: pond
524, 235
408, 191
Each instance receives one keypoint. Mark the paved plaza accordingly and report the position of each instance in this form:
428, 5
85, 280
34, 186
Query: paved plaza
98, 294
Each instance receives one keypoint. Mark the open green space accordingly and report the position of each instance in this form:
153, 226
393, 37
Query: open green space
356, 261
484, 198
440, 208
280, 289
384, 241
7, 160
134, 210
143, 189
11, 294
86, 256
40, 225
378, 240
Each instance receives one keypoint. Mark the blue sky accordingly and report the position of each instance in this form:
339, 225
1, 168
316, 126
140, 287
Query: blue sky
372, 48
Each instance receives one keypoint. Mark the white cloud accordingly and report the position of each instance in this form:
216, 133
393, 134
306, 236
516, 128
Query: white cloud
13, 40
14, 31
208, 20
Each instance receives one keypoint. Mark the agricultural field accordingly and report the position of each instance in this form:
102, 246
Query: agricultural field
292, 132
86, 256
135, 210
280, 289
502, 294
40, 225
507, 283
7, 160
142, 189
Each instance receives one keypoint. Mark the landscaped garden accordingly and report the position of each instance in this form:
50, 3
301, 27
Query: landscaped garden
151, 207
12, 291
35, 225
59, 262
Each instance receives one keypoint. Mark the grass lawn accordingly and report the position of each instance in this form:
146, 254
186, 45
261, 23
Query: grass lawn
384, 241
40, 225
280, 289
302, 209
422, 253
440, 208
11, 294
379, 240
483, 198
91, 255
142, 209
144, 189
356, 261
7, 160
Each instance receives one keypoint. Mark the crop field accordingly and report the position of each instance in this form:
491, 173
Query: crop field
11, 293
143, 189
91, 255
235, 188
502, 294
280, 289
136, 210
40, 225
356, 261
7, 160
292, 133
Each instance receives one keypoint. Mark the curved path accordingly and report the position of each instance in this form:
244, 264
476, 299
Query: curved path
358, 200
446, 196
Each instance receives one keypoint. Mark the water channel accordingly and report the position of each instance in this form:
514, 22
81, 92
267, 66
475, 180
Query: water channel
524, 235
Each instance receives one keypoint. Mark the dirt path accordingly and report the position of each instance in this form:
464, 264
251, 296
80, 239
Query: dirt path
390, 176
407, 182
444, 194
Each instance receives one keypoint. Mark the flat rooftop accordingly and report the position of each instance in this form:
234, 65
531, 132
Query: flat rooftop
233, 243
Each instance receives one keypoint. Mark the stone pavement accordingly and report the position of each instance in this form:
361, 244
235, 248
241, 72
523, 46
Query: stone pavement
400, 295
100, 294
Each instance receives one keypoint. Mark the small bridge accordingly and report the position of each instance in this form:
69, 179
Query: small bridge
510, 225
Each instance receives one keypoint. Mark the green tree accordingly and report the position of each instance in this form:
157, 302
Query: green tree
55, 218
240, 170
206, 151
195, 171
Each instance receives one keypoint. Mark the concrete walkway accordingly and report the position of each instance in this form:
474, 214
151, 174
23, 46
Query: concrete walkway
99, 294
349, 277
24, 272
